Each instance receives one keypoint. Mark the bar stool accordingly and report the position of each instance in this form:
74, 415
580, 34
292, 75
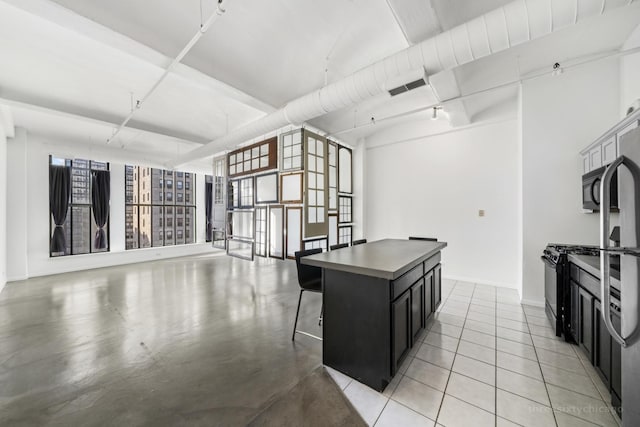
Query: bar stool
309, 279
338, 246
428, 239
358, 242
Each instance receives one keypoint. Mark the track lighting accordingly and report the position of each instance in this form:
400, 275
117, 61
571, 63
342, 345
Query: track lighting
434, 115
557, 69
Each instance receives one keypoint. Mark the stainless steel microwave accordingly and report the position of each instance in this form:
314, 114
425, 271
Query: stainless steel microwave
591, 190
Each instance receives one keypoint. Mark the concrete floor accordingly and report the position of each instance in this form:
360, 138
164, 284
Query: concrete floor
191, 341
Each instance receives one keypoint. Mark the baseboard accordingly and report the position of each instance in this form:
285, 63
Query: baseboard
480, 281
17, 278
533, 302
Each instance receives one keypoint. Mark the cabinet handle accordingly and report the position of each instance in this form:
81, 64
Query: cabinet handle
605, 271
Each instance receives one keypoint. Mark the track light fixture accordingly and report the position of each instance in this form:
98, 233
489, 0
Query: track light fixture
557, 69
434, 115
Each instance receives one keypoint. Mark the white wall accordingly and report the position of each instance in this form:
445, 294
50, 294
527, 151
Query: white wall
3, 208
434, 186
629, 70
358, 185
28, 160
560, 116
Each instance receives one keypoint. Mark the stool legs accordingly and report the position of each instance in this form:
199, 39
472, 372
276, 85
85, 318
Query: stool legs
295, 324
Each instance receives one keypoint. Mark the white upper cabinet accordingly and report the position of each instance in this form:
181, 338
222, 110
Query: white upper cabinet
605, 149
595, 157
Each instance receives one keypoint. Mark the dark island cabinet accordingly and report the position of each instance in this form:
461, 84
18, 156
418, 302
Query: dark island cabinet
437, 288
401, 318
418, 309
377, 299
411, 311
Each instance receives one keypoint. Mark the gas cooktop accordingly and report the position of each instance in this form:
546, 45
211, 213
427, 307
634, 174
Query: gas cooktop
573, 249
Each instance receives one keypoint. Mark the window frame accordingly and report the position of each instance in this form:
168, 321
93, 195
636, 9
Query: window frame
158, 204
69, 218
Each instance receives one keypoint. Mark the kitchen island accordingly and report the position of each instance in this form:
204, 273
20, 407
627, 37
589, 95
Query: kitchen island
377, 298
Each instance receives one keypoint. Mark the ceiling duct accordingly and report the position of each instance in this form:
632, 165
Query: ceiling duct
407, 82
512, 24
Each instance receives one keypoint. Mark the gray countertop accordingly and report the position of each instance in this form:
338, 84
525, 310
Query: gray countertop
591, 264
387, 259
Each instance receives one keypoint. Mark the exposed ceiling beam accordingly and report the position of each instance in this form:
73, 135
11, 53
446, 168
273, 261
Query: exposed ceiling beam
444, 84
70, 20
35, 103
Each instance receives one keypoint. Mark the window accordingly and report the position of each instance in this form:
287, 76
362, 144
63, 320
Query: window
345, 213
261, 231
291, 151
320, 243
316, 194
344, 234
246, 192
76, 228
157, 212
254, 158
333, 176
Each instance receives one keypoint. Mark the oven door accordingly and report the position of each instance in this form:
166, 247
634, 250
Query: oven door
551, 295
591, 192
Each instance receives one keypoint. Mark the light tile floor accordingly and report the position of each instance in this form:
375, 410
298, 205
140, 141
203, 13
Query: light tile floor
487, 360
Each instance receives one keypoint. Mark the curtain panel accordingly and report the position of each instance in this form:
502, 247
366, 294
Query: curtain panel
208, 193
100, 197
59, 192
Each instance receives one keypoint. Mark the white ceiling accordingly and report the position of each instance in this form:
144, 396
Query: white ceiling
275, 50
90, 58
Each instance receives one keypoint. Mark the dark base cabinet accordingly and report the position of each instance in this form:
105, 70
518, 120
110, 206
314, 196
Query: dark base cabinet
591, 334
575, 312
616, 367
585, 313
602, 345
370, 324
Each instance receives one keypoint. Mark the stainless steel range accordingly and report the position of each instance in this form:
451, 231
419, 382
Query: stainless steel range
556, 284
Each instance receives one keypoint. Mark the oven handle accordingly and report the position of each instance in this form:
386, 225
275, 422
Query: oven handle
549, 263
605, 272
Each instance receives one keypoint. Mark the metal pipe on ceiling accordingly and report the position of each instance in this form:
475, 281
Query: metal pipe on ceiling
515, 23
201, 31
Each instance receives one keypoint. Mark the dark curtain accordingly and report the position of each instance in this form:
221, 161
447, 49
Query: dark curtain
59, 191
100, 196
208, 193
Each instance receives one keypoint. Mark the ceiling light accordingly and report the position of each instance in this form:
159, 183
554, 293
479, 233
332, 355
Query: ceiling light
557, 69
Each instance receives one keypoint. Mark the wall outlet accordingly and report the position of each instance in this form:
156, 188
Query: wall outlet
481, 212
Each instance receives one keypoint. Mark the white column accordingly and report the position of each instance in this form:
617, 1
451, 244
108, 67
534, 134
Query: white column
17, 214
3, 208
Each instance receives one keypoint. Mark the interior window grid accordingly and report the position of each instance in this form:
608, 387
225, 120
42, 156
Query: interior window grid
345, 211
315, 185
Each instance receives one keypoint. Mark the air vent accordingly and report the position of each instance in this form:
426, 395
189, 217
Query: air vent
406, 82
398, 90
